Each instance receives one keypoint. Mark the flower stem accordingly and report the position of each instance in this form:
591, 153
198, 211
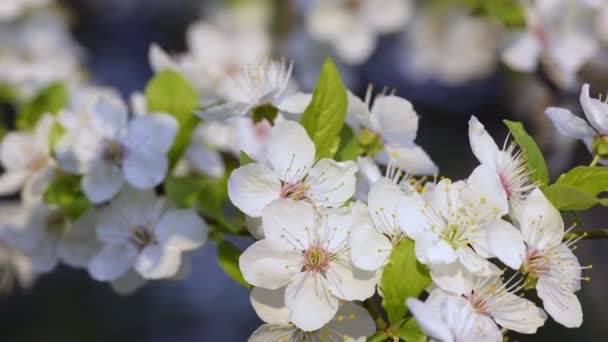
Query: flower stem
590, 235
595, 160
371, 307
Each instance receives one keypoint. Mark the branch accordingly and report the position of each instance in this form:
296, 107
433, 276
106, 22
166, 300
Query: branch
590, 235
371, 307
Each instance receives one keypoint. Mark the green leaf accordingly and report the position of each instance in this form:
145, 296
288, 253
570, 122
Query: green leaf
245, 159
266, 112
228, 258
50, 100
324, 117
593, 180
55, 134
508, 12
168, 92
349, 148
208, 195
410, 331
8, 93
379, 336
403, 277
65, 192
565, 197
534, 158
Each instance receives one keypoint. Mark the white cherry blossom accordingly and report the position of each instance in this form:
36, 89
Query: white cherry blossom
289, 171
139, 233
352, 323
547, 260
309, 253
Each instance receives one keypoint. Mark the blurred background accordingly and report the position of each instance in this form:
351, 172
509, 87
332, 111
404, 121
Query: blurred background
450, 59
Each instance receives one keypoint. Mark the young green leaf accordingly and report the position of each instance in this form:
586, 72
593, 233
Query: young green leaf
403, 277
324, 117
507, 12
245, 159
534, 158
50, 100
168, 92
65, 192
410, 331
349, 148
266, 112
379, 336
592, 180
228, 258
565, 197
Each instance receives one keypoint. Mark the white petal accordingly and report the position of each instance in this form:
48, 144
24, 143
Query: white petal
369, 249
112, 262
595, 110
151, 132
432, 250
334, 228
569, 124
383, 198
310, 303
293, 230
181, 230
128, 283
395, 119
349, 282
562, 305
541, 224
35, 186
387, 16
482, 144
332, 183
355, 45
411, 214
14, 150
473, 262
352, 323
159, 59
12, 181
109, 118
80, 244
290, 151
452, 277
413, 159
252, 187
272, 332
518, 314
484, 196
156, 262
267, 264
522, 53
145, 169
206, 160
506, 243
269, 305
429, 320
103, 182
295, 104
357, 114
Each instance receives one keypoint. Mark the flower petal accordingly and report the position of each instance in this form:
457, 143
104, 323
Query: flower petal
145, 169
103, 182
295, 104
112, 261
522, 53
569, 124
293, 230
411, 214
369, 249
290, 151
432, 250
332, 183
595, 110
109, 118
152, 132
482, 144
80, 244
181, 230
206, 160
412, 159
266, 264
518, 314
540, 223
474, 263
484, 196
383, 198
506, 243
429, 321
252, 187
395, 119
272, 332
348, 282
156, 262
269, 305
310, 303
560, 303
12, 181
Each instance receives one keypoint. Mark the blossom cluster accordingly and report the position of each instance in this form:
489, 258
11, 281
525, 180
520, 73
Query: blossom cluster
344, 206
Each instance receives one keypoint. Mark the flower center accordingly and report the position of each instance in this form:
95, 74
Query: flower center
454, 235
141, 236
114, 152
479, 303
505, 184
294, 191
38, 163
536, 263
57, 223
354, 4
316, 259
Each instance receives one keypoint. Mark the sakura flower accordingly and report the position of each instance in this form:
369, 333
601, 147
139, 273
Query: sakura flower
451, 319
373, 238
27, 161
450, 224
388, 130
548, 262
508, 163
291, 173
491, 297
552, 39
138, 232
208, 141
353, 27
351, 323
593, 135
308, 252
47, 235
114, 149
259, 86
